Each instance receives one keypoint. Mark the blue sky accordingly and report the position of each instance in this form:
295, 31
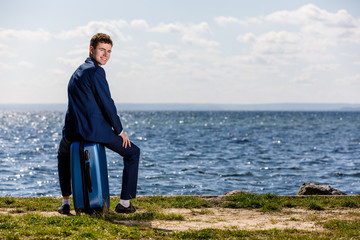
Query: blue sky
165, 51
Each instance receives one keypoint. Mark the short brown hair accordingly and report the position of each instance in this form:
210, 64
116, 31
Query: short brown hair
100, 38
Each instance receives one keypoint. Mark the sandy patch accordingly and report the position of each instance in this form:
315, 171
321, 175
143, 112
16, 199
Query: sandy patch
244, 219
241, 219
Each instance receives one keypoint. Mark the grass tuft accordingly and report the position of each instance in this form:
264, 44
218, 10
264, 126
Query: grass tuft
270, 202
266, 202
172, 202
315, 206
350, 229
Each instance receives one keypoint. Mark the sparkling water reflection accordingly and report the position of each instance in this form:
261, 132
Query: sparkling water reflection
196, 152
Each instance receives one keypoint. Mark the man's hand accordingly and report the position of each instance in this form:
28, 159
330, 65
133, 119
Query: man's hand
126, 140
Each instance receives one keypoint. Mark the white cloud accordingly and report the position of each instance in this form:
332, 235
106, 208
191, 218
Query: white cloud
201, 28
5, 51
190, 34
349, 80
224, 21
284, 47
57, 77
309, 74
198, 41
248, 37
310, 14
12, 34
330, 28
153, 45
339, 26
287, 55
81, 51
306, 49
167, 54
321, 67
111, 27
139, 24
171, 54
279, 46
169, 28
55, 71
278, 43
303, 79
308, 37
6, 66
333, 35
25, 64
73, 62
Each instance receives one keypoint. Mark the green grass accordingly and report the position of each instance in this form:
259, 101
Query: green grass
240, 234
33, 226
25, 220
30, 204
152, 202
270, 202
350, 229
172, 202
264, 202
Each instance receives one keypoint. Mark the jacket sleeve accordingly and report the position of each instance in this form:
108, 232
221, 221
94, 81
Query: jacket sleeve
103, 97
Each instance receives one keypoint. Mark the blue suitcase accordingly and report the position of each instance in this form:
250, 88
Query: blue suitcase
89, 175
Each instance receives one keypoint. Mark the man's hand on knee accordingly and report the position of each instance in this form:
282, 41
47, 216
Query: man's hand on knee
126, 140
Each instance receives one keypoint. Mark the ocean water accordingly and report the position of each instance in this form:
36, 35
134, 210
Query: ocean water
189, 152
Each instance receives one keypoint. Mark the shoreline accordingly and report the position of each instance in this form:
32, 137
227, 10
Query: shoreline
201, 196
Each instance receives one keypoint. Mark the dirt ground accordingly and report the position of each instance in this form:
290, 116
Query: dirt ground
244, 219
240, 219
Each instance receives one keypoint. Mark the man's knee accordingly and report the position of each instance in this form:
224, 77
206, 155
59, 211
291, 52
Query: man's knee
134, 154
137, 150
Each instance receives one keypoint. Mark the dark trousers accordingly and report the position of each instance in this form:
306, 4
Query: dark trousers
130, 156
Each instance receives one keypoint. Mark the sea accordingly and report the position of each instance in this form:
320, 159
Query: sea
195, 152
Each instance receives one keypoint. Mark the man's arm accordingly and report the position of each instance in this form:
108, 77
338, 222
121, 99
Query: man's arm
103, 97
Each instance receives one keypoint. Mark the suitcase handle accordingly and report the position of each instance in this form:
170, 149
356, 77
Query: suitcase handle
87, 171
83, 173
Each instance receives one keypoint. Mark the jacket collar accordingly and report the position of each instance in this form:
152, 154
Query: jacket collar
91, 60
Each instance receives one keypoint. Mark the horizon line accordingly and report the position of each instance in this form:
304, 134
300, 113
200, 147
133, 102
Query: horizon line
197, 103
290, 106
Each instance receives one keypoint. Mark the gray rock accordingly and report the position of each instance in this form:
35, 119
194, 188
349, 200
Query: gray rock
233, 193
318, 189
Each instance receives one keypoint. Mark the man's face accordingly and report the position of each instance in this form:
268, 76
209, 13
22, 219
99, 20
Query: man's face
101, 53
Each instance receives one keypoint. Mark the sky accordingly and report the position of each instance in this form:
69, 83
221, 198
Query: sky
188, 51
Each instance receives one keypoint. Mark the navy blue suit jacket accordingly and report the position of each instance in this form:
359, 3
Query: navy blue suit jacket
91, 113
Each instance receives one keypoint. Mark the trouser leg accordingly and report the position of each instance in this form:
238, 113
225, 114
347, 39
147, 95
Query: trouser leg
64, 167
131, 156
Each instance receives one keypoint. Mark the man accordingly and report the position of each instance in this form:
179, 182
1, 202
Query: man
92, 116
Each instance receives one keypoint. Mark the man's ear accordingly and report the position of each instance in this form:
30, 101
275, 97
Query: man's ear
91, 49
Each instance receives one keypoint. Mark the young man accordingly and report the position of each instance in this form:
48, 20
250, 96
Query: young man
92, 116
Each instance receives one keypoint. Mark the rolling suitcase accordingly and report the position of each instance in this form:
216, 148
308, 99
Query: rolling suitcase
90, 184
